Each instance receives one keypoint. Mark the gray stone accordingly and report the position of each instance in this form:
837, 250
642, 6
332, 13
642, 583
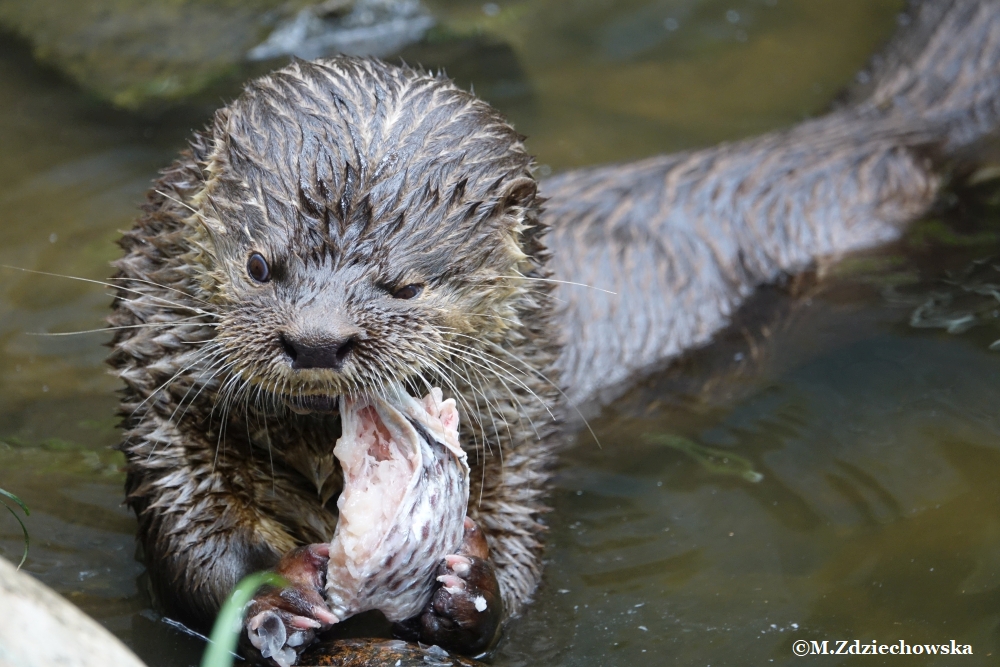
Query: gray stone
40, 629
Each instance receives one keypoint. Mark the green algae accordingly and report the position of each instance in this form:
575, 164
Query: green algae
138, 53
715, 461
933, 231
878, 270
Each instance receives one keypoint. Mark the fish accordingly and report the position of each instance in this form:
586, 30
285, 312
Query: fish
404, 502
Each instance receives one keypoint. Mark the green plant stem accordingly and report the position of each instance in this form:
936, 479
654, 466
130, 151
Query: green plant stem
229, 622
24, 529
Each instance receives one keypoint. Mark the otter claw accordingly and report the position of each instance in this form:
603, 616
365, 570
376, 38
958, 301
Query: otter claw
324, 616
281, 622
464, 613
304, 623
460, 565
452, 584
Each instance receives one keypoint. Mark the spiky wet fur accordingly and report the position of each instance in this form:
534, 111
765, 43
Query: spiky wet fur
352, 178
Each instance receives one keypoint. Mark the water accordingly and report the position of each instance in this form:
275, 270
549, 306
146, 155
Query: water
876, 517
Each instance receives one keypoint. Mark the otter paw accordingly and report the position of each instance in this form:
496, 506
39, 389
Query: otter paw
465, 610
464, 613
282, 622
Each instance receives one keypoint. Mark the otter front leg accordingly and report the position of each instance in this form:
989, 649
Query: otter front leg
465, 612
282, 622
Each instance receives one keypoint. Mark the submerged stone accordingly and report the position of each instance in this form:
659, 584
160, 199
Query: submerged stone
372, 652
146, 53
362, 28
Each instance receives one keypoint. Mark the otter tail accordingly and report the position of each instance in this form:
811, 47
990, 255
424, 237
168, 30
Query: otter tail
939, 75
678, 242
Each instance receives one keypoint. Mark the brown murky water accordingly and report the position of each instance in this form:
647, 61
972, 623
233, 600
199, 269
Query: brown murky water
878, 514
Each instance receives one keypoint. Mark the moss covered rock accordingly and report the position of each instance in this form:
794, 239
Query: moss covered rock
147, 53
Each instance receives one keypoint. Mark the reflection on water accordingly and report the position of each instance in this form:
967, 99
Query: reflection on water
877, 515
605, 81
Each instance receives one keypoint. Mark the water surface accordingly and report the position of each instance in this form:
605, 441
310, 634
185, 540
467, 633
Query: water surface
877, 514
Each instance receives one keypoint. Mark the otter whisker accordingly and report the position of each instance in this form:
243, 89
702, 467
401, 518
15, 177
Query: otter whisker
496, 432
216, 359
565, 282
267, 436
537, 373
199, 359
482, 458
478, 416
472, 414
513, 396
508, 370
224, 393
165, 384
481, 444
177, 201
179, 405
104, 284
510, 392
520, 276
514, 323
497, 367
486, 399
184, 322
161, 286
232, 388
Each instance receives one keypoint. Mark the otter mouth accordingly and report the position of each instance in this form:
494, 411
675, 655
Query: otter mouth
306, 404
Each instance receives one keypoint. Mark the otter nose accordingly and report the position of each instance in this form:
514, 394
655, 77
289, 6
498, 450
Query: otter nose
312, 351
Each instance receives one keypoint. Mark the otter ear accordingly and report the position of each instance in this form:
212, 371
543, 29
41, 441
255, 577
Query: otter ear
520, 194
519, 198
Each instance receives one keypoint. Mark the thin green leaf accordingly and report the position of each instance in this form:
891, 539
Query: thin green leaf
24, 529
8, 494
229, 623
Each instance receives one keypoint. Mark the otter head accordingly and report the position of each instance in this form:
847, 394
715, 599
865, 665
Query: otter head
361, 224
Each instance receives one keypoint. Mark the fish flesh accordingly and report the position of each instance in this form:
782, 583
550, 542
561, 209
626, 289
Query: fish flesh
403, 506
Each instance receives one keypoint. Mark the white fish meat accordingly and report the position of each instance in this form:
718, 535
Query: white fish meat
403, 506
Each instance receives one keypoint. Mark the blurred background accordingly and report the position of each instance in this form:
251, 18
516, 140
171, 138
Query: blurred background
828, 469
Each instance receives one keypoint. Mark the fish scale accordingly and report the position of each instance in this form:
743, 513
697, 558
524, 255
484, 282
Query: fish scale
390, 564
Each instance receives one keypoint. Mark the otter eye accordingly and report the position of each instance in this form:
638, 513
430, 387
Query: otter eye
408, 292
258, 269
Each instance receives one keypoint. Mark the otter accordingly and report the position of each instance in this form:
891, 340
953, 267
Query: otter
345, 224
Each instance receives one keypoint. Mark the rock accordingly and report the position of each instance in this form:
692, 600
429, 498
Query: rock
381, 652
142, 54
40, 628
370, 28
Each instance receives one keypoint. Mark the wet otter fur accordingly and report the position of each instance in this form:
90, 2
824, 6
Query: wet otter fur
360, 184
404, 240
